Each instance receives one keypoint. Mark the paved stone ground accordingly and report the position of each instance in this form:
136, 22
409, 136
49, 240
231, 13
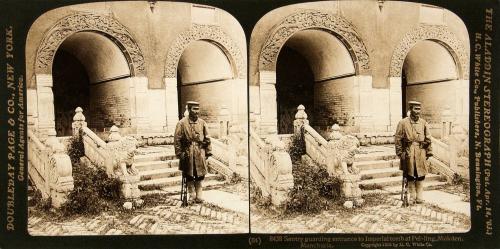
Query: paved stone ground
384, 216
165, 217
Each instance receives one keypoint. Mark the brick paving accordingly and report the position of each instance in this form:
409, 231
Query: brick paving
167, 217
386, 216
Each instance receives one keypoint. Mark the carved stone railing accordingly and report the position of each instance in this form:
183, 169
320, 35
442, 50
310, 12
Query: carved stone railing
336, 155
271, 167
114, 156
49, 168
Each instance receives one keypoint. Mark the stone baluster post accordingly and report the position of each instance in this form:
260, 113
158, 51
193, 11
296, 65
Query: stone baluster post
300, 120
78, 121
224, 118
114, 135
447, 122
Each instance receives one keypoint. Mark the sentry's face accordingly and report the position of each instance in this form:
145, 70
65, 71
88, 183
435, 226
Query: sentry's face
415, 111
194, 111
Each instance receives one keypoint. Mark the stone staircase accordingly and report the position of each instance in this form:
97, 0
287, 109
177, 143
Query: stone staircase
379, 168
158, 168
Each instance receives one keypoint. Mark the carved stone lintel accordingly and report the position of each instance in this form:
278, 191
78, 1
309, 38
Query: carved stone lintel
437, 33
314, 19
205, 32
78, 22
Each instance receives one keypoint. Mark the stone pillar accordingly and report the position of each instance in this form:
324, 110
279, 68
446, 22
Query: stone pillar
223, 119
32, 108
269, 112
45, 98
239, 100
446, 122
364, 117
78, 121
172, 104
141, 103
395, 103
300, 120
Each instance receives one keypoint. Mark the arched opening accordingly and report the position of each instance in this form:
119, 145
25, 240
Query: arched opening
314, 68
430, 76
204, 74
90, 71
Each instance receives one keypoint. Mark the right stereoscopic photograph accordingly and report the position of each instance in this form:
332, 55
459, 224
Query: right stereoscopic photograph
359, 119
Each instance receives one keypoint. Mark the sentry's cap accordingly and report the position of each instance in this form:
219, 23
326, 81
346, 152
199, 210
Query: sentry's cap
192, 103
412, 103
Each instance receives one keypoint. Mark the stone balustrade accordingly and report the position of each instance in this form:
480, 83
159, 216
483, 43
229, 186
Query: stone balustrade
271, 167
49, 168
115, 156
335, 155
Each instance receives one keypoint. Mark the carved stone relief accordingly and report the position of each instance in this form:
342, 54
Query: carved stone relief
88, 22
313, 19
438, 33
205, 32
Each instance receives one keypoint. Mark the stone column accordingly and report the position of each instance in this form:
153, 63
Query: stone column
446, 122
32, 108
141, 103
45, 98
364, 118
268, 104
172, 104
300, 120
395, 102
78, 121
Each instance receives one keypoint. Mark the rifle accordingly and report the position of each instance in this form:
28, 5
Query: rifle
184, 191
404, 182
404, 192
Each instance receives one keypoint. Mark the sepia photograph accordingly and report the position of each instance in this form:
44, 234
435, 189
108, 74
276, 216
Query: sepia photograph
137, 120
249, 124
359, 116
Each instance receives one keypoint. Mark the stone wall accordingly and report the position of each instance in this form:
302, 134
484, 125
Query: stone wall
109, 105
334, 102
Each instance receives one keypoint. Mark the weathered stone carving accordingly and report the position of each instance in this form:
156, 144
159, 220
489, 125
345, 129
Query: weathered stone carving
437, 33
88, 22
314, 19
336, 155
205, 32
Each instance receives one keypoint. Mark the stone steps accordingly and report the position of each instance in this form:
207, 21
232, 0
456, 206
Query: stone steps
162, 156
154, 165
169, 181
159, 173
380, 173
390, 181
377, 164
379, 168
158, 170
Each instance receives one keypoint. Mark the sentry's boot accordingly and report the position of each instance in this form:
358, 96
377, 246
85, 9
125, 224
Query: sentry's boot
420, 190
199, 191
411, 189
190, 186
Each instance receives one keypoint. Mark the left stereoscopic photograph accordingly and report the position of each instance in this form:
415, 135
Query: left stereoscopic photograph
137, 117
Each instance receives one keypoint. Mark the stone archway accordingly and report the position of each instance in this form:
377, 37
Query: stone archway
441, 35
43, 114
79, 22
438, 33
198, 32
313, 19
304, 20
